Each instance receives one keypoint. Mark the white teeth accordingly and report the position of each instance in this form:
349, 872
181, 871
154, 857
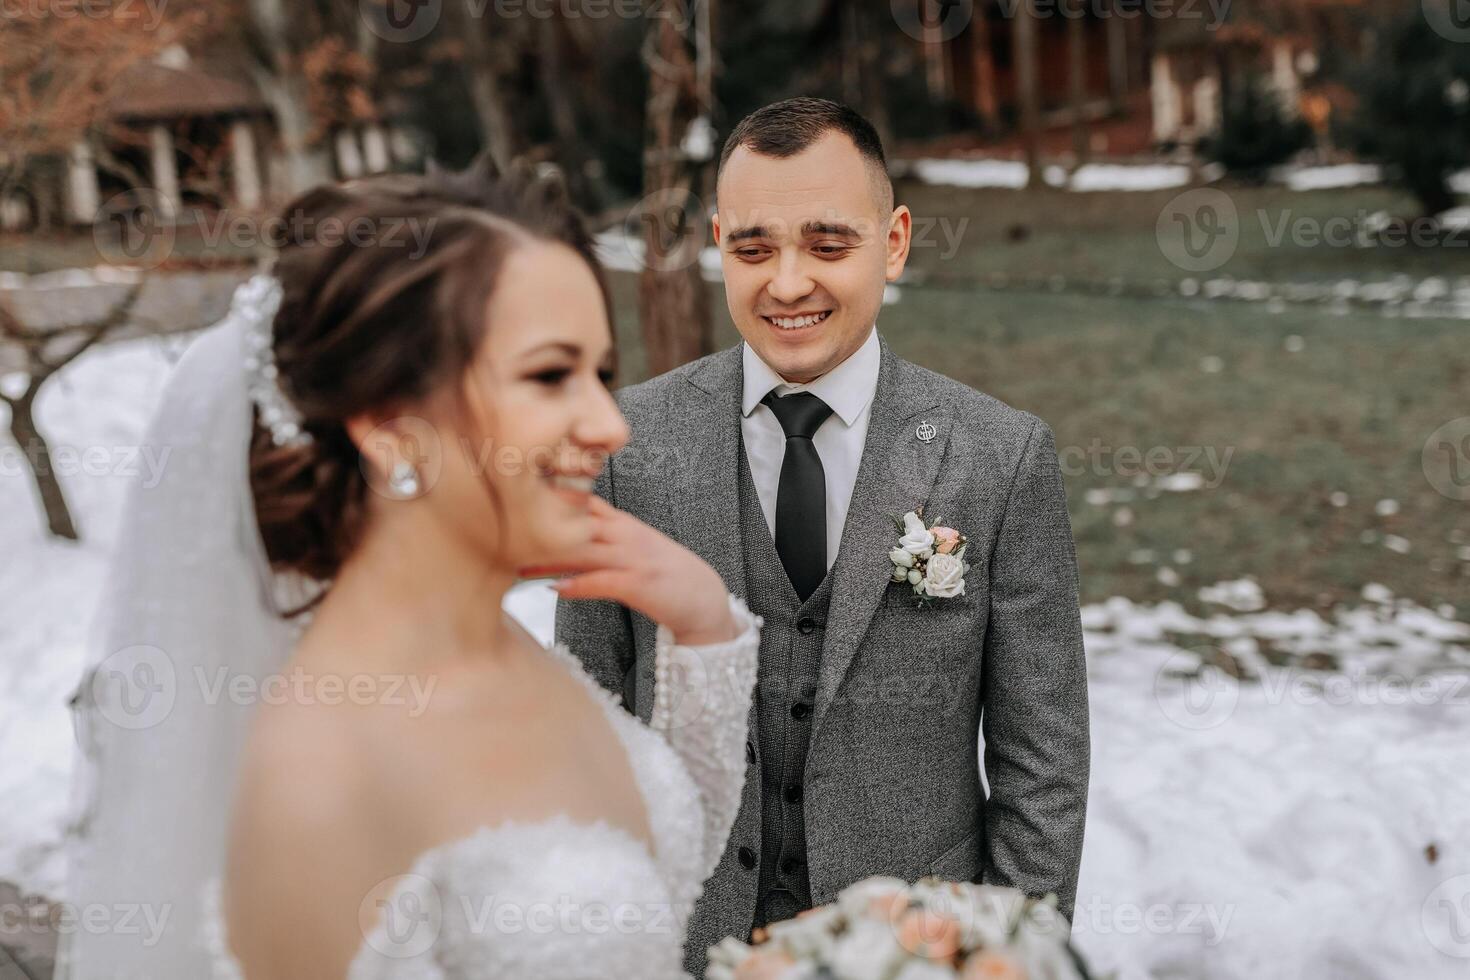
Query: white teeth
797, 322
582, 484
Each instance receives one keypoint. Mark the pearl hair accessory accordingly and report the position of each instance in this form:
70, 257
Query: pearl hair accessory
254, 306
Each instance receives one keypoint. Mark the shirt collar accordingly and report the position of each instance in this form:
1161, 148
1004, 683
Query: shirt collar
847, 388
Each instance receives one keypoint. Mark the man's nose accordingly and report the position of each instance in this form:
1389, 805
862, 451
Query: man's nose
791, 283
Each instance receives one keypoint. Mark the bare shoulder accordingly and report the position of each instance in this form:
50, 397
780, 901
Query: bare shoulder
303, 845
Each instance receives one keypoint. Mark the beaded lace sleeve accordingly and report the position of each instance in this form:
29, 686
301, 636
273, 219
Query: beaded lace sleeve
701, 704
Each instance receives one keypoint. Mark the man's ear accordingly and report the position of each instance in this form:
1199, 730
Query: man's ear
900, 239
714, 226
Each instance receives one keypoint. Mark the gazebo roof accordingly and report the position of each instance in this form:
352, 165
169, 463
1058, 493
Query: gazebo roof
155, 91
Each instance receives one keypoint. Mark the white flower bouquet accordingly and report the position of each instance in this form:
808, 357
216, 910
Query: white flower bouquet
885, 929
929, 558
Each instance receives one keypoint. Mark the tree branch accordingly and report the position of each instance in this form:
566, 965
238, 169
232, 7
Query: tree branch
94, 330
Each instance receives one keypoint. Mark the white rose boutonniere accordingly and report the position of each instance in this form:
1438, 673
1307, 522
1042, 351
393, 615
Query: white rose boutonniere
931, 559
917, 540
944, 577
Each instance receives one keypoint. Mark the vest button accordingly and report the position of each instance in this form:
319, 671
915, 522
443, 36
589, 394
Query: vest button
790, 865
793, 793
800, 710
806, 624
747, 858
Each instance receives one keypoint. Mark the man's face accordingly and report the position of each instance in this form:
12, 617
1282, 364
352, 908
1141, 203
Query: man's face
807, 245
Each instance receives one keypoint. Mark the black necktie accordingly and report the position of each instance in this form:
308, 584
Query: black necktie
801, 500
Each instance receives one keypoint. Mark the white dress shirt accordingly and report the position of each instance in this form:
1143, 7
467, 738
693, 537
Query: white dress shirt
848, 389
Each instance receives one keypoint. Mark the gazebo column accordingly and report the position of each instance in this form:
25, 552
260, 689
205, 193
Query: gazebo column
83, 193
165, 166
375, 149
1167, 103
349, 155
245, 165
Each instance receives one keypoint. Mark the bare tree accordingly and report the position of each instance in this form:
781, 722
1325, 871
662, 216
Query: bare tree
46, 352
497, 126
673, 305
1077, 77
1029, 82
272, 29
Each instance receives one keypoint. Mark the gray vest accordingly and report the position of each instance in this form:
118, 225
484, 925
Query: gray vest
786, 688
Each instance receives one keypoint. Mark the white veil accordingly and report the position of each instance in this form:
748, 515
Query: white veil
189, 607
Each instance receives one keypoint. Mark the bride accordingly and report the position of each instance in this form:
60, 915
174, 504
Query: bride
387, 777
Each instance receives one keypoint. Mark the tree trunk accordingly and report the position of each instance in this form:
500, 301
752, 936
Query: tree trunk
37, 454
987, 104
1077, 72
1117, 57
276, 75
867, 75
563, 112
497, 128
673, 304
1029, 82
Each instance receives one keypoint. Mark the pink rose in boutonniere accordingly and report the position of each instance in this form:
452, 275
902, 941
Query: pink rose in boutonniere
930, 559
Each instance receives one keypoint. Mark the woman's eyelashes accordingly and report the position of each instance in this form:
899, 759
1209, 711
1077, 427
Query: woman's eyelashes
554, 377
551, 377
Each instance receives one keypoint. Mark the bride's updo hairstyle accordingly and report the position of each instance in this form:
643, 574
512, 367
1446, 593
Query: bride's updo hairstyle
385, 286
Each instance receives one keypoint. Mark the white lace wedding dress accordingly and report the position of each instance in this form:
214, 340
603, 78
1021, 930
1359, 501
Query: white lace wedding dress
562, 900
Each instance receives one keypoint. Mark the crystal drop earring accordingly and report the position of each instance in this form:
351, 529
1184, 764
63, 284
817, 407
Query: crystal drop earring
404, 480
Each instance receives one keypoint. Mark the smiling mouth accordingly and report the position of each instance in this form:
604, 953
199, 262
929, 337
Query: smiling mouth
797, 322
571, 484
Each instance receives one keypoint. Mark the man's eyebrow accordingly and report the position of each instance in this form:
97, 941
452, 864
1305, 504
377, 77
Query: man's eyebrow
745, 234
829, 228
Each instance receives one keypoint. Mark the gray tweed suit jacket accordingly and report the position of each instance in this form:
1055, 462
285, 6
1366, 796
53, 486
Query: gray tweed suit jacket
893, 776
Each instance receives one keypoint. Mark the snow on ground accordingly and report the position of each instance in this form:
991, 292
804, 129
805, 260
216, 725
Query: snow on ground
1250, 813
989, 172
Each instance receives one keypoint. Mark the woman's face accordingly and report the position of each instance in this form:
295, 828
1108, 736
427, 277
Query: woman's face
538, 422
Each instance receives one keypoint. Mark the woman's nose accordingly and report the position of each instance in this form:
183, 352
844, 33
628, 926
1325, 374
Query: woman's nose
602, 427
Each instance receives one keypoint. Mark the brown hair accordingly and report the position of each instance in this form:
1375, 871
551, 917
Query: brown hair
385, 282
784, 129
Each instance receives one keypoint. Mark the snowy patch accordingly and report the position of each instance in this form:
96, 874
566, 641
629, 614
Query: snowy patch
1095, 177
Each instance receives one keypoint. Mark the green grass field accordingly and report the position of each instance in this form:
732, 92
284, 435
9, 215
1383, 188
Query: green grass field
1347, 413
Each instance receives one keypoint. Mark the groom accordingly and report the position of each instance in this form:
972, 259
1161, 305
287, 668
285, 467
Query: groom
783, 462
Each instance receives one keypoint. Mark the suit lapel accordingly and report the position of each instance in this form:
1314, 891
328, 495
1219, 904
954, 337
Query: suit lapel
707, 467
896, 475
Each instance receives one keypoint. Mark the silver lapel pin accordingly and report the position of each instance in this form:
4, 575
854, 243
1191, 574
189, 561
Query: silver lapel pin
926, 432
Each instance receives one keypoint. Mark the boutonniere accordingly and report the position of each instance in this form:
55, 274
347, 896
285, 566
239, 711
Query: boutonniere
930, 558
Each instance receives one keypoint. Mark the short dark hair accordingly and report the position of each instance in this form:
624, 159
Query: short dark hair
784, 129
